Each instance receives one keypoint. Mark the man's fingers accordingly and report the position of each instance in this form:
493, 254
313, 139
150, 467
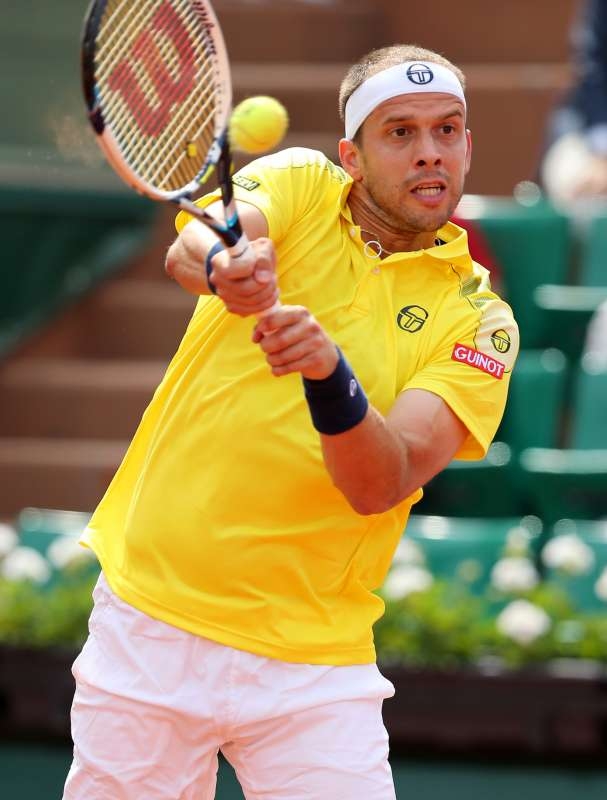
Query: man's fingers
249, 306
244, 288
265, 264
259, 257
282, 318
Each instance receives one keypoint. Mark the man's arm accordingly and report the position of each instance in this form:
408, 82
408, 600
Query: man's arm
246, 287
381, 460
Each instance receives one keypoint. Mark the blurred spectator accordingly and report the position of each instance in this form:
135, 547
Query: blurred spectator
575, 163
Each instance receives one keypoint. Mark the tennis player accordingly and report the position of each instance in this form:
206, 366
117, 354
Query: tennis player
258, 508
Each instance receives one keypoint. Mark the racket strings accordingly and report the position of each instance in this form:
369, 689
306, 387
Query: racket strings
151, 72
119, 17
151, 57
192, 121
143, 104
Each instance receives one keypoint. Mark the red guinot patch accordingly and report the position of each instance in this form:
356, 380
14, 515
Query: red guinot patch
468, 355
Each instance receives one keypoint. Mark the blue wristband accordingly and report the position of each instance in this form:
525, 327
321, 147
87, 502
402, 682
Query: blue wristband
336, 403
217, 247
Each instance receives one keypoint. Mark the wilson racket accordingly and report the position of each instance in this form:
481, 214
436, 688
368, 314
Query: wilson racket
157, 86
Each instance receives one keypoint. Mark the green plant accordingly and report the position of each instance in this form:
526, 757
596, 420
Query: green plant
52, 615
517, 619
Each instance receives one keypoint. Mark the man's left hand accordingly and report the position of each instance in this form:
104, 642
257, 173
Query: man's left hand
294, 341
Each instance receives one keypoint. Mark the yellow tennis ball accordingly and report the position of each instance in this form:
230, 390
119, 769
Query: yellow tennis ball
258, 124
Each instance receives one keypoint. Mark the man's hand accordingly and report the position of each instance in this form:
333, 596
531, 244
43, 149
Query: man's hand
247, 285
294, 341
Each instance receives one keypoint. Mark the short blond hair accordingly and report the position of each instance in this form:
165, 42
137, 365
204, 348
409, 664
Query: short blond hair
383, 58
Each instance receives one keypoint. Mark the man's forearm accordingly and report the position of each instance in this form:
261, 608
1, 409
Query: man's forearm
186, 258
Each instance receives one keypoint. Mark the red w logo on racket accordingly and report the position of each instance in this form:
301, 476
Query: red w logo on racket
152, 108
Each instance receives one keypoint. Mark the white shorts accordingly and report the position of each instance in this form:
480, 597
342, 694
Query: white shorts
155, 704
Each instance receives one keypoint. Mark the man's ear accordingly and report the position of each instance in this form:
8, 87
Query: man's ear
468, 150
350, 158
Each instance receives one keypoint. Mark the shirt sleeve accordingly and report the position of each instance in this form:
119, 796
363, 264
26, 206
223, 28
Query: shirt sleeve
283, 186
470, 370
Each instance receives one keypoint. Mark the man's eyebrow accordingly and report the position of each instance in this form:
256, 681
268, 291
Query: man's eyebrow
454, 112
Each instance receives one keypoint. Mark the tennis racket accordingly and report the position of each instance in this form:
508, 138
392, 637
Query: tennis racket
157, 85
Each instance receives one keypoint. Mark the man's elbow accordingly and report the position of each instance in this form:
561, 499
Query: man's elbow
170, 262
367, 501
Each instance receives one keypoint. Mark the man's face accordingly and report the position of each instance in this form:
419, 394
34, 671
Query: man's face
412, 160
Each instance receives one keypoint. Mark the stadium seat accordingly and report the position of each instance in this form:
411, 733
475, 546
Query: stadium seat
567, 311
572, 481
567, 308
593, 258
581, 588
532, 244
535, 400
38, 527
44, 530
589, 427
466, 549
474, 488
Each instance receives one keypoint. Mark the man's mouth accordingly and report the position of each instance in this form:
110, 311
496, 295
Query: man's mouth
429, 189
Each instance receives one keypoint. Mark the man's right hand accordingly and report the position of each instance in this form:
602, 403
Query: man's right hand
247, 285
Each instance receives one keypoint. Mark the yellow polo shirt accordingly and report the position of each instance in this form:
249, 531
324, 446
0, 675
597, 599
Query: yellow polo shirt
222, 518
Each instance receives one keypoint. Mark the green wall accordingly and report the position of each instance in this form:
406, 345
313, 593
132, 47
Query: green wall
43, 115
37, 772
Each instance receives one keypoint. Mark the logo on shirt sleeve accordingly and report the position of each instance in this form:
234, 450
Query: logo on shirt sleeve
497, 333
468, 355
501, 340
245, 183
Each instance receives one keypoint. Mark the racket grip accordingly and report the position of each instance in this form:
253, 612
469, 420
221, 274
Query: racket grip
243, 250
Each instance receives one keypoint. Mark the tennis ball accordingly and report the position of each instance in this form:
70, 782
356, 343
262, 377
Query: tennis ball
258, 124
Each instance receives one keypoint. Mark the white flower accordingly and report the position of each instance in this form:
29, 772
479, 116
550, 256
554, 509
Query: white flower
514, 574
404, 579
523, 622
569, 554
66, 550
25, 563
8, 539
517, 541
408, 552
600, 587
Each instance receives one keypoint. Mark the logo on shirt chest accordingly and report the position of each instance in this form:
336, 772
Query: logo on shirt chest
411, 318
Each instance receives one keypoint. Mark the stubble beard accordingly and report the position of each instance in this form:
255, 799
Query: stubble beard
410, 221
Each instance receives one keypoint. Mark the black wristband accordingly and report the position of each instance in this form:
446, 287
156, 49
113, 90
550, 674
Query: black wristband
336, 403
217, 247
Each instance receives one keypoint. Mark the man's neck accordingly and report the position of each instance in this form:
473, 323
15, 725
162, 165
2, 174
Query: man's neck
374, 228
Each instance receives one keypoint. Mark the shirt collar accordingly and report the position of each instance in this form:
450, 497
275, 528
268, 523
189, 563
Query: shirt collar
454, 249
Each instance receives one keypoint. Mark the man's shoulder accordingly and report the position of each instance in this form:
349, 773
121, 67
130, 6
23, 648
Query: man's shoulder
300, 159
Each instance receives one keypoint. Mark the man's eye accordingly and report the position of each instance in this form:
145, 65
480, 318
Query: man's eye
448, 128
399, 132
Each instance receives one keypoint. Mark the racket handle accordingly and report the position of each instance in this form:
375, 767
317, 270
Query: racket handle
243, 250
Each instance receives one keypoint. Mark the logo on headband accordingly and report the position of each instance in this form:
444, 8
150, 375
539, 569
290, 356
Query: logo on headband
420, 74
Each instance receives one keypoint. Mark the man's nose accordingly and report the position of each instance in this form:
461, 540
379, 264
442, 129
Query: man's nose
428, 153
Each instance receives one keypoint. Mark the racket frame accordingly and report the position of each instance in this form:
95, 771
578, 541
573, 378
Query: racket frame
218, 158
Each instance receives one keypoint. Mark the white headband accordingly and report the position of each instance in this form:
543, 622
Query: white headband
407, 78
